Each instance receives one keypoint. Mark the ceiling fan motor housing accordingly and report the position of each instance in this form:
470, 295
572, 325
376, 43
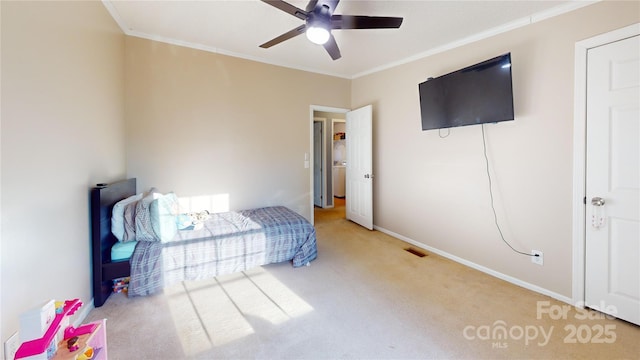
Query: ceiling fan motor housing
319, 25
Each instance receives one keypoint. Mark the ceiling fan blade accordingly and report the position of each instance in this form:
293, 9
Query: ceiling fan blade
365, 22
288, 8
330, 4
332, 48
286, 36
311, 5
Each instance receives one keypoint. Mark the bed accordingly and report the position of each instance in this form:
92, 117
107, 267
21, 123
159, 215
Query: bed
215, 244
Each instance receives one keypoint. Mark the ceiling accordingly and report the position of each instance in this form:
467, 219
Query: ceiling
238, 27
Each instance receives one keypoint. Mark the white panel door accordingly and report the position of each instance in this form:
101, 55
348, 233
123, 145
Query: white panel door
612, 234
359, 187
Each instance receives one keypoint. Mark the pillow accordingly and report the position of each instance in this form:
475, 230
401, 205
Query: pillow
164, 217
117, 216
144, 230
130, 222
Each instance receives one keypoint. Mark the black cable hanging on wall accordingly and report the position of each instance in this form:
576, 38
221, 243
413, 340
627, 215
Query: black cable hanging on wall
493, 208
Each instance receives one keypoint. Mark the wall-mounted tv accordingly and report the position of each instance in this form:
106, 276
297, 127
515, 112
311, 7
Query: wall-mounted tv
481, 93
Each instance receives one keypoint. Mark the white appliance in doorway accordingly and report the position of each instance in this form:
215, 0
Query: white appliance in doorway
339, 172
339, 154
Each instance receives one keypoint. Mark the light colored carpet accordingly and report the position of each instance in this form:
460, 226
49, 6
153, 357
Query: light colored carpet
365, 297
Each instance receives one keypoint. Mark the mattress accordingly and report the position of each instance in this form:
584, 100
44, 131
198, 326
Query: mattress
122, 250
225, 243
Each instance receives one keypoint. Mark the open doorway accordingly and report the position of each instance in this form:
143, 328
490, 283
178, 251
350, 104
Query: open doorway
328, 176
358, 166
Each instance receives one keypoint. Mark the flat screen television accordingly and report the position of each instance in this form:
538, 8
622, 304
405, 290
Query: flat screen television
481, 93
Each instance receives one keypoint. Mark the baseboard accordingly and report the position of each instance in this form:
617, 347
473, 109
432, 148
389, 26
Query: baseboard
475, 266
82, 315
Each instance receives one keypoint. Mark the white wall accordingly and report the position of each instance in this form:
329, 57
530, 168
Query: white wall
434, 190
203, 124
62, 132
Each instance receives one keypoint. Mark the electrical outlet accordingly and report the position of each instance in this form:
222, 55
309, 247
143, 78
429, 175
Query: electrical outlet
11, 346
538, 258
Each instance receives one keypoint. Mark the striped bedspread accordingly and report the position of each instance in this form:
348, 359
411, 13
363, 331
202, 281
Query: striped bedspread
228, 242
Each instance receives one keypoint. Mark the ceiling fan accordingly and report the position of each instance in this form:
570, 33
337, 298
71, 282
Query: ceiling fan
320, 20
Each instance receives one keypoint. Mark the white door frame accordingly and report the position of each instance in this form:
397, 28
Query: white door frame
579, 151
312, 109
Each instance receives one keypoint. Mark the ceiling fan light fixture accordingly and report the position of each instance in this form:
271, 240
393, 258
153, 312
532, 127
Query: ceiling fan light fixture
317, 34
320, 21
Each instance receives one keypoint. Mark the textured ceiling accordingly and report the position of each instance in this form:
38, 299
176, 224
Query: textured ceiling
238, 27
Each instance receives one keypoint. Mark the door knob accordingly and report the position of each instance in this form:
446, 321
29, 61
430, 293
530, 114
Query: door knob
597, 201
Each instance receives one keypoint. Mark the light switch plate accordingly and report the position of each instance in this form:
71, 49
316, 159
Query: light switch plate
11, 346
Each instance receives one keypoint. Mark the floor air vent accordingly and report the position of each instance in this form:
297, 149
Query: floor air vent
415, 252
